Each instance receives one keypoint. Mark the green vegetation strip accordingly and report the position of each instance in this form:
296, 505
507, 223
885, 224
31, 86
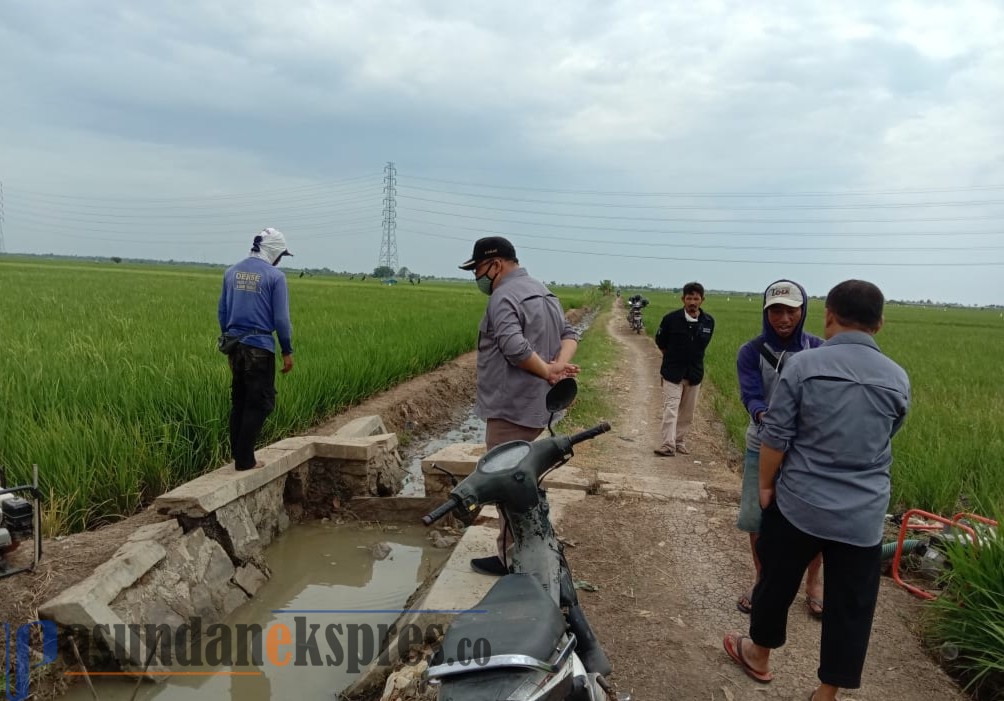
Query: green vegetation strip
597, 358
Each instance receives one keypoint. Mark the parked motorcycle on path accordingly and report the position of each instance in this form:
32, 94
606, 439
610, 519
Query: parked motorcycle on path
541, 645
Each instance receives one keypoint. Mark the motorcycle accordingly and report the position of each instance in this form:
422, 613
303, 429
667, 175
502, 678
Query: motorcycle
637, 303
540, 645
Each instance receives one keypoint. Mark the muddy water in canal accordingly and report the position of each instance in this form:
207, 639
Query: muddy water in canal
334, 591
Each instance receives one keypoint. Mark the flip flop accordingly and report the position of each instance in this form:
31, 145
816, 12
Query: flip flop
733, 644
815, 606
744, 604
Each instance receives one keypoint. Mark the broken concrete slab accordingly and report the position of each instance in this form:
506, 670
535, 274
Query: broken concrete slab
362, 427
79, 604
235, 519
163, 532
250, 579
360, 449
205, 494
572, 477
458, 459
651, 486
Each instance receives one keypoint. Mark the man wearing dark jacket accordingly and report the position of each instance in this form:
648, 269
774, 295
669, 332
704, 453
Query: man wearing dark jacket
759, 364
682, 337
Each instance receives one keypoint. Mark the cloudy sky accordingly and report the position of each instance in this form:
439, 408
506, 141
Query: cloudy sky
642, 141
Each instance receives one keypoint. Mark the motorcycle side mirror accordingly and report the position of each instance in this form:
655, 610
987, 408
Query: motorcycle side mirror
560, 397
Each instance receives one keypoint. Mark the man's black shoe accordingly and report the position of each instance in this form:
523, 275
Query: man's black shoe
489, 565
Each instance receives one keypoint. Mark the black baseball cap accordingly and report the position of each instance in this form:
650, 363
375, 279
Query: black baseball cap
489, 247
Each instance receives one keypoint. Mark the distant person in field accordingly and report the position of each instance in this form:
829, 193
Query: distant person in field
525, 345
683, 336
825, 457
253, 304
759, 364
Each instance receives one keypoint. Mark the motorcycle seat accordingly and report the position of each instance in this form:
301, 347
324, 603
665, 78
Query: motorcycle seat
519, 618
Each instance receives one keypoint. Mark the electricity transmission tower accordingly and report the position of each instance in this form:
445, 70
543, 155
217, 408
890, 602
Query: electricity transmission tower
3, 247
388, 244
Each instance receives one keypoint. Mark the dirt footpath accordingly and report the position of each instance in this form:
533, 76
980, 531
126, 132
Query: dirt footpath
669, 571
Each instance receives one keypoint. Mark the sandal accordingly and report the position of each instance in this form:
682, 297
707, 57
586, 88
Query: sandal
745, 604
733, 644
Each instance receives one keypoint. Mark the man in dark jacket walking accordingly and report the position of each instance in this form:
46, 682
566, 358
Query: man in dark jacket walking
682, 337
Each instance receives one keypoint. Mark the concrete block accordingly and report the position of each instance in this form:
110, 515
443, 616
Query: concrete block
91, 596
458, 458
651, 486
236, 520
205, 494
571, 477
355, 449
250, 579
163, 532
362, 427
562, 501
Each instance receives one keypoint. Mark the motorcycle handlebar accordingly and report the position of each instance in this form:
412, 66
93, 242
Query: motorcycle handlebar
440, 511
589, 433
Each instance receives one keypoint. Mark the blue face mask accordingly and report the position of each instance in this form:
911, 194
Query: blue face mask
485, 283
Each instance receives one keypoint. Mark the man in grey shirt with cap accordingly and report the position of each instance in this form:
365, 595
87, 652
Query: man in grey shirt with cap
525, 345
825, 459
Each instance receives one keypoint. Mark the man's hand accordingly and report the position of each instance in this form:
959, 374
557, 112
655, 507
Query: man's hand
287, 362
766, 497
558, 370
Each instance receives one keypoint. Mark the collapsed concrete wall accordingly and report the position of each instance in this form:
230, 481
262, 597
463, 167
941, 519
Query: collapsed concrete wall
207, 557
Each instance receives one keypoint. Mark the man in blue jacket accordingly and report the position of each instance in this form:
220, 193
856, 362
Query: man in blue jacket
253, 304
759, 363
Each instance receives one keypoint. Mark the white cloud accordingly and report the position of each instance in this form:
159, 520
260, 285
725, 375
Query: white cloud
720, 96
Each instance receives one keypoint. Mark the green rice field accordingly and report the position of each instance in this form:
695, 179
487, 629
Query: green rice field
949, 456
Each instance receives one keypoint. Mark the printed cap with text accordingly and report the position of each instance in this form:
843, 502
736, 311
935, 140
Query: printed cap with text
489, 247
783, 292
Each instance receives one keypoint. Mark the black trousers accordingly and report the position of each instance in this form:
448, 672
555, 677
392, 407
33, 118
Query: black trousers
252, 398
850, 593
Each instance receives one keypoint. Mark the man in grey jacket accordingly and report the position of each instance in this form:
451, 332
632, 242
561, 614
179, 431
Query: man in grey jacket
825, 459
525, 345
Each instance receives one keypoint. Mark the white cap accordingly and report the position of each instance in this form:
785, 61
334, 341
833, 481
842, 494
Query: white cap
783, 292
271, 243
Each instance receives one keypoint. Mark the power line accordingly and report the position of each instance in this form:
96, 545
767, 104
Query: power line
354, 195
705, 193
779, 246
743, 262
743, 208
687, 220
692, 232
210, 198
678, 219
